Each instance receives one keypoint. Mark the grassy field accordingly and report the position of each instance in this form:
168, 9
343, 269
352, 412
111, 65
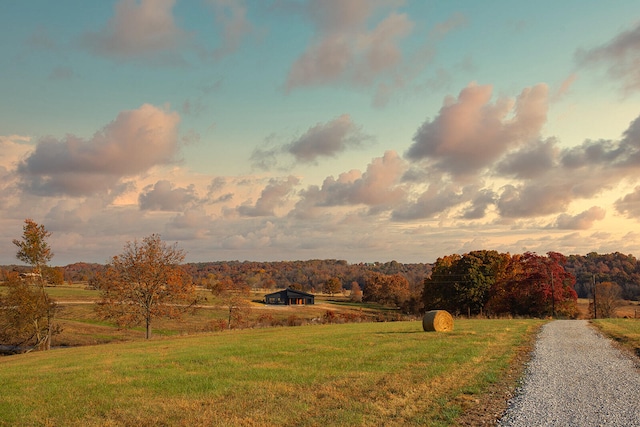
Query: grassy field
626, 332
351, 374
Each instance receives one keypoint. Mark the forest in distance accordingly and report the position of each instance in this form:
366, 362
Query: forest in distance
312, 275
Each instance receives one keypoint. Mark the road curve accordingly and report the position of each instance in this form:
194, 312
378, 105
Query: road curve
576, 378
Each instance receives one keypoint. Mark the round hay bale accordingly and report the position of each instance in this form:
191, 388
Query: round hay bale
437, 320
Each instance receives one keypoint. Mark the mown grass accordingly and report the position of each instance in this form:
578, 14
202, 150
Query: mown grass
624, 331
373, 374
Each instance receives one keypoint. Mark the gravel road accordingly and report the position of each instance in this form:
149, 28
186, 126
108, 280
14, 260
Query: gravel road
576, 378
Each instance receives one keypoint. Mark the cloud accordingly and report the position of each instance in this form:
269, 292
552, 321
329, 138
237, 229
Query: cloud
344, 48
139, 30
530, 161
231, 15
550, 178
322, 140
621, 55
273, 195
378, 188
480, 204
327, 139
582, 221
13, 148
470, 133
436, 199
133, 143
629, 205
534, 199
565, 87
162, 196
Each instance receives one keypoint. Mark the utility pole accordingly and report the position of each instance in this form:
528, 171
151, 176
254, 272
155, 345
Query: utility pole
595, 306
553, 297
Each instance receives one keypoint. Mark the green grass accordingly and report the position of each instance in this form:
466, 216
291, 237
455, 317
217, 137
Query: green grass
391, 374
624, 331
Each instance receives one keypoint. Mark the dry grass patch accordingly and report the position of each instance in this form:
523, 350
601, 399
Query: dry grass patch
626, 332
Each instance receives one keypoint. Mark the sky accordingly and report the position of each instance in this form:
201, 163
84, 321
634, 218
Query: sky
363, 130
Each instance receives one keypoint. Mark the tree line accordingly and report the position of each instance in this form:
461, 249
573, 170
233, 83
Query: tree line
149, 279
489, 282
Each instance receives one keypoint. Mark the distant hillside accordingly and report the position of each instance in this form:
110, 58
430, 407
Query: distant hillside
618, 268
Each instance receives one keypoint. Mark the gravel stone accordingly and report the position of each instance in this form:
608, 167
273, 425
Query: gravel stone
576, 378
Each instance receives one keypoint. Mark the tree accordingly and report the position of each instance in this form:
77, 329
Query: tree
607, 300
146, 282
462, 284
332, 286
535, 285
386, 289
26, 317
233, 296
356, 292
33, 248
29, 313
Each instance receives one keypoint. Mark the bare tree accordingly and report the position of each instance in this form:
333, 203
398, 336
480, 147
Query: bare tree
145, 282
607, 300
233, 296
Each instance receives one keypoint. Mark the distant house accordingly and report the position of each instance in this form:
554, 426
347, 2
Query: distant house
289, 297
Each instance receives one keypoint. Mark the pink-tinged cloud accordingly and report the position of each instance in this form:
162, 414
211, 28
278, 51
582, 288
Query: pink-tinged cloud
322, 140
622, 57
582, 221
138, 30
565, 87
133, 143
231, 17
629, 205
535, 199
379, 188
437, 199
345, 49
273, 195
550, 178
327, 139
470, 133
163, 196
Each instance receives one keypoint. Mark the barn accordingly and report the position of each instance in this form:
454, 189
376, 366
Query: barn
289, 297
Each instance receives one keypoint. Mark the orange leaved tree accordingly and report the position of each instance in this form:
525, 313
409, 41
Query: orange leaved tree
27, 313
144, 282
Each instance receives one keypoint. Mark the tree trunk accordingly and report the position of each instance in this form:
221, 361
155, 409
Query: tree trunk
148, 334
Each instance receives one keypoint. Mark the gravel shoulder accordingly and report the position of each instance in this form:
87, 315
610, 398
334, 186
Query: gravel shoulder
576, 377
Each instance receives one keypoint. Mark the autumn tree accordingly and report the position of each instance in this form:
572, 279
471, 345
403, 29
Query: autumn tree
535, 285
234, 296
356, 292
332, 286
146, 281
386, 289
27, 316
607, 298
33, 249
462, 283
